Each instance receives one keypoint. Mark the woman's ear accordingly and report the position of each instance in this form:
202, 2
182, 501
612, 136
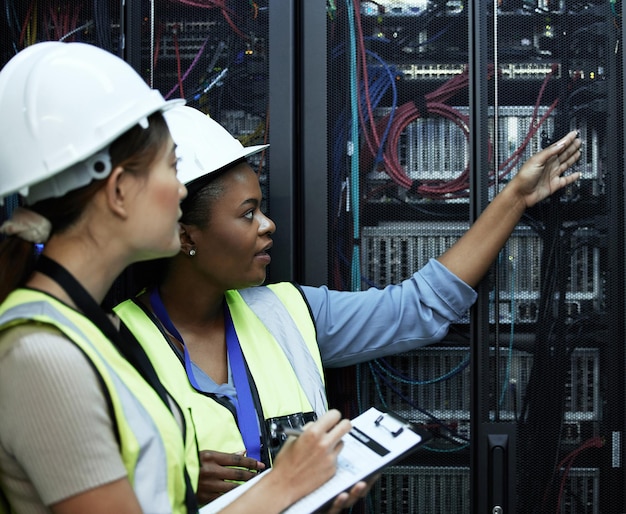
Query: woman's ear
186, 239
117, 192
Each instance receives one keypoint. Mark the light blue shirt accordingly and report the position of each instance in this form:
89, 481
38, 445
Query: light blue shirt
355, 327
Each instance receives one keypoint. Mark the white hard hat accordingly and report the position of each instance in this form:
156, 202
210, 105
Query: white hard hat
202, 144
61, 105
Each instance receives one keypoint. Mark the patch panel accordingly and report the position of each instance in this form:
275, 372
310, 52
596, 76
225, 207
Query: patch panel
436, 71
190, 26
507, 71
408, 7
529, 70
186, 45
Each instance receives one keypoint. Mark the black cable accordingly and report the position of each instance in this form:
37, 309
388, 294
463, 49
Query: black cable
432, 417
541, 416
13, 26
102, 21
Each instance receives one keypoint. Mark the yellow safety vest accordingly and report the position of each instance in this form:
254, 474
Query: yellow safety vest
279, 378
151, 443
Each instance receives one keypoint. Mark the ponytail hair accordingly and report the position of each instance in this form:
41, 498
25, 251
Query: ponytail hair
17, 260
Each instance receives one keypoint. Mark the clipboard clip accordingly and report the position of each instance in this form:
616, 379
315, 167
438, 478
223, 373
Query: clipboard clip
389, 424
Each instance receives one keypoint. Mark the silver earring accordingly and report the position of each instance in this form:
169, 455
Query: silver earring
192, 252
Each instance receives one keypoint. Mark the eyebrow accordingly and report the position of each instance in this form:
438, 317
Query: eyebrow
253, 201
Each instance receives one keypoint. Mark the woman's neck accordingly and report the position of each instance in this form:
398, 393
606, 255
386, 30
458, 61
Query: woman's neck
191, 302
198, 317
94, 271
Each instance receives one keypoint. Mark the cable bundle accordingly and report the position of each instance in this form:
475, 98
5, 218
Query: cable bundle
435, 104
181, 75
384, 150
566, 465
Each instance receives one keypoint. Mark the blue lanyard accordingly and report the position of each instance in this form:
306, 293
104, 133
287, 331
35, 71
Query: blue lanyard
246, 412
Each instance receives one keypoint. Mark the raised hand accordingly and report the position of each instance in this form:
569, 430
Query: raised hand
542, 174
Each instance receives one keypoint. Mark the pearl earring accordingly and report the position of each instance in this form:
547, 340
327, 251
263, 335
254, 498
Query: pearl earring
192, 252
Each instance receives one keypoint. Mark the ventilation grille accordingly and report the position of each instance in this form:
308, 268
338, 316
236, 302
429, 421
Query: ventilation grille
437, 380
445, 490
393, 251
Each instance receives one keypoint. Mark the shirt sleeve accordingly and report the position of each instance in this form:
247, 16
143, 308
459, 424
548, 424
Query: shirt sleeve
56, 434
354, 327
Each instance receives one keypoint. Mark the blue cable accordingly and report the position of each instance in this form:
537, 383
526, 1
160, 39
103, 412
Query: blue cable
376, 379
394, 103
384, 366
412, 404
383, 78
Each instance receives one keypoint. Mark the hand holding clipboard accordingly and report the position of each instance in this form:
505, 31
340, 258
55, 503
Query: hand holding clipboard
377, 439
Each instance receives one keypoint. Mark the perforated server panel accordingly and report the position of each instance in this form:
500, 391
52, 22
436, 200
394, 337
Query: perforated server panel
438, 490
441, 103
435, 148
436, 381
393, 251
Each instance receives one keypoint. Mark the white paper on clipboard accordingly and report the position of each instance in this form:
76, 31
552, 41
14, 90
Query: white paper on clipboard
376, 440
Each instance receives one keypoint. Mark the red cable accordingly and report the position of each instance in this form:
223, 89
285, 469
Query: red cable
157, 47
514, 158
221, 5
363, 62
233, 26
407, 113
594, 442
207, 4
435, 105
26, 20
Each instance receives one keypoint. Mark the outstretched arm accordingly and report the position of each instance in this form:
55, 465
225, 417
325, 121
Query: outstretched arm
540, 176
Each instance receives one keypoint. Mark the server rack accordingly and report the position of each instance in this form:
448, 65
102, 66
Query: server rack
449, 98
534, 371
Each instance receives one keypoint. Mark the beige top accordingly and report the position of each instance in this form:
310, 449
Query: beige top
56, 436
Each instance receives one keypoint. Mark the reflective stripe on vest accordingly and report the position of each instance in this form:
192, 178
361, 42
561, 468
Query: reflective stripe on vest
155, 469
269, 363
279, 387
273, 313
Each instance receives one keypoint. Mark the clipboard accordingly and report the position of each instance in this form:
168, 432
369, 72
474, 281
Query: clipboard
378, 438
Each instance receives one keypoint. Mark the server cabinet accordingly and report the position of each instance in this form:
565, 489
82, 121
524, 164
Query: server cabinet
394, 124
431, 108
213, 53
216, 54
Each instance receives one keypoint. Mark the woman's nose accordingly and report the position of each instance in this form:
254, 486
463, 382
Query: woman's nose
266, 225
